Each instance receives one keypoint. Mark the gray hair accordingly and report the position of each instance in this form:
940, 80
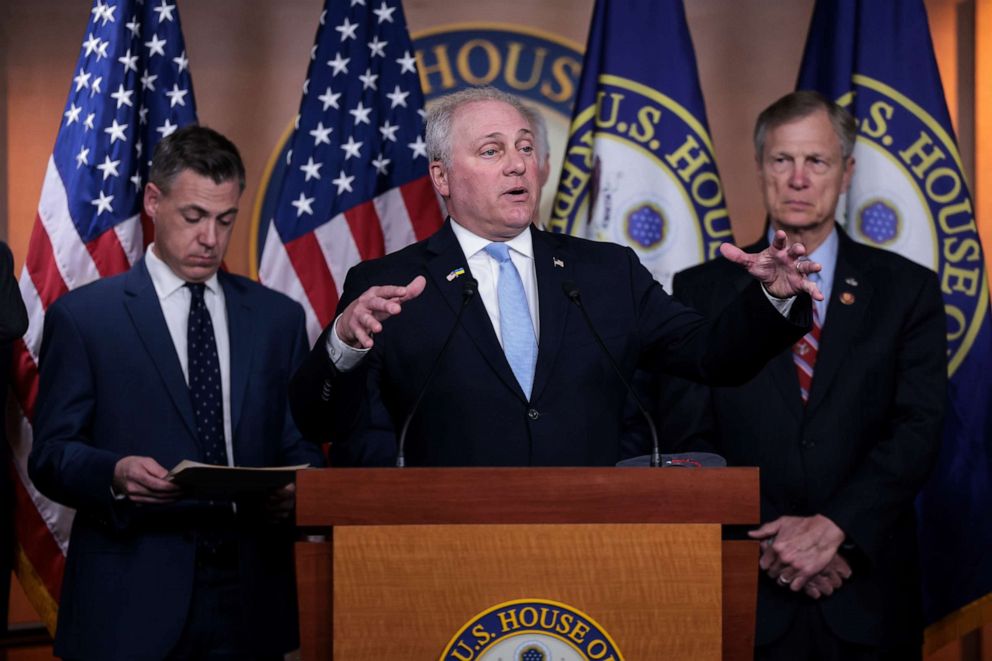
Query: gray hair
799, 105
200, 149
441, 116
540, 128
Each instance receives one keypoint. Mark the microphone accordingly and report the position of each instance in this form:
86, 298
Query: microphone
469, 288
573, 295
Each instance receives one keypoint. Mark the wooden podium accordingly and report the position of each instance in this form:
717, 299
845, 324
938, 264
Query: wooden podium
413, 555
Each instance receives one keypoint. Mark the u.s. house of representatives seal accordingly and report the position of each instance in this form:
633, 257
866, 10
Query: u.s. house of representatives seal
909, 195
531, 630
640, 171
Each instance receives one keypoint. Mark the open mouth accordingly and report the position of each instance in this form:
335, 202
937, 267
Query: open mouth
517, 193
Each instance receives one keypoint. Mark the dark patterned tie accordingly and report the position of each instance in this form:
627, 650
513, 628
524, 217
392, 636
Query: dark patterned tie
204, 378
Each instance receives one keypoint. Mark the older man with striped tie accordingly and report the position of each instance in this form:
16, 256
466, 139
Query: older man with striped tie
844, 426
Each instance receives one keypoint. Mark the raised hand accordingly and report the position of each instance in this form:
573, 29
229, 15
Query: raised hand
779, 267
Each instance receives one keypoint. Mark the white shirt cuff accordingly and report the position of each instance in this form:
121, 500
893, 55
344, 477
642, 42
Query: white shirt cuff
343, 356
783, 305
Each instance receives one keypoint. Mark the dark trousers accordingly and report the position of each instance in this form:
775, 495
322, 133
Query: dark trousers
213, 629
810, 639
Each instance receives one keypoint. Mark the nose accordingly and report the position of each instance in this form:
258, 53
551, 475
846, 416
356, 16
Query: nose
208, 233
515, 163
799, 177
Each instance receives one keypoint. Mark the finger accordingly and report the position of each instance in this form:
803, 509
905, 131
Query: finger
768, 558
769, 529
842, 567
778, 240
810, 288
415, 288
833, 578
153, 468
735, 254
797, 250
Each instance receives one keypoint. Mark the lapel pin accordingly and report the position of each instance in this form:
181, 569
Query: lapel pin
559, 263
847, 298
851, 281
458, 272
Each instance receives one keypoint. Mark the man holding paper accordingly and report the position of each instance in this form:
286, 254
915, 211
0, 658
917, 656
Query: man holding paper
167, 362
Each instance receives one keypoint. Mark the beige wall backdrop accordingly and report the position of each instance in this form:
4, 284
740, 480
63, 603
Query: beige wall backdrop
248, 59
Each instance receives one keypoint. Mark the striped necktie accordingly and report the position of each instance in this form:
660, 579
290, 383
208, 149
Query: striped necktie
804, 356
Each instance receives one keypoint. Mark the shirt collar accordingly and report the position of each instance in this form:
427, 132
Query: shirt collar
165, 280
472, 243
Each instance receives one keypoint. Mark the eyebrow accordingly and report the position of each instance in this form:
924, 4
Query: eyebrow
203, 212
497, 135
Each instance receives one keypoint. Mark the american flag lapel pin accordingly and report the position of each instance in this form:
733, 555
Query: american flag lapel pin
458, 272
559, 263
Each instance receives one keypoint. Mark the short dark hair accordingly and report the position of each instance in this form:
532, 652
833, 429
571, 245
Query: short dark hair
801, 104
200, 149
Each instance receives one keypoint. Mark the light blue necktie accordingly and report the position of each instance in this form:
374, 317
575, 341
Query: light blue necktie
515, 324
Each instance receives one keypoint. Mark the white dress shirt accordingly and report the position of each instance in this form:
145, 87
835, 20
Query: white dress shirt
174, 297
485, 269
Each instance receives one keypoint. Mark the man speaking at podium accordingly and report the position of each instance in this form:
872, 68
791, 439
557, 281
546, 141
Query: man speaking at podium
481, 323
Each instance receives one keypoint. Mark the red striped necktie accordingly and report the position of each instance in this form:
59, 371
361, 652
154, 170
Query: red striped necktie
804, 356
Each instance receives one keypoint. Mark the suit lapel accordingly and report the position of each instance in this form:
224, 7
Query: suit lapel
553, 266
445, 257
141, 302
849, 300
241, 338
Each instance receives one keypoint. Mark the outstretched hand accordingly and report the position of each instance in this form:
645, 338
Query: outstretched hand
363, 317
779, 267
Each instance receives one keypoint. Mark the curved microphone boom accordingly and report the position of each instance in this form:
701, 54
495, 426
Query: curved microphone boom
469, 287
572, 292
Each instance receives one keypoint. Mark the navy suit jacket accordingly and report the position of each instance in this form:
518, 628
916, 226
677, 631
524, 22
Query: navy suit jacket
861, 448
474, 413
111, 385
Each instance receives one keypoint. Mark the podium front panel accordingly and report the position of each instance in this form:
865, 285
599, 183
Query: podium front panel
406, 592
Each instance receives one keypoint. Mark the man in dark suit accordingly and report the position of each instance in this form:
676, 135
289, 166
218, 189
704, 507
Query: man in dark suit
13, 324
522, 381
172, 360
845, 426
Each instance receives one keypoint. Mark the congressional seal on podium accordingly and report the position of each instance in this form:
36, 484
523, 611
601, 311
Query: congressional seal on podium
531, 630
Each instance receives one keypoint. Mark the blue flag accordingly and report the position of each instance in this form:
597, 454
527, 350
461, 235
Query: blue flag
909, 195
639, 168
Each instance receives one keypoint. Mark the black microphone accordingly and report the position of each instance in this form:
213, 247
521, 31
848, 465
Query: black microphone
469, 287
573, 295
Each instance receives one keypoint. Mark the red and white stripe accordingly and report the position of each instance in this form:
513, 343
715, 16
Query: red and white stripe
57, 261
311, 269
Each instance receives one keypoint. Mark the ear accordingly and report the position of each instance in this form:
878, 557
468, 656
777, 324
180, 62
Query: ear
439, 177
153, 196
759, 171
848, 174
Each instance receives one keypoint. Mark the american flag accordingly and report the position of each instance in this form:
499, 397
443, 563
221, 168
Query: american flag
131, 87
356, 184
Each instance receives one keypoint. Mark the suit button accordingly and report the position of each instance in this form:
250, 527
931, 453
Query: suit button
533, 414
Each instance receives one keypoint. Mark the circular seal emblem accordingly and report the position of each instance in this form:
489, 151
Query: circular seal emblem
909, 195
640, 171
531, 630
